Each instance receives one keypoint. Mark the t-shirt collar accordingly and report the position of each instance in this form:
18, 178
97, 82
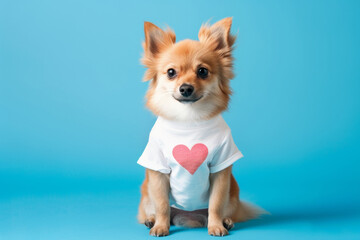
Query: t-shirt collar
187, 125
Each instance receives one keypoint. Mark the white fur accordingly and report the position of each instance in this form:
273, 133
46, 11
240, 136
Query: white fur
163, 99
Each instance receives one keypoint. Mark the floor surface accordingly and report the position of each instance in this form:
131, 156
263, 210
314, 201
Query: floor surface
110, 213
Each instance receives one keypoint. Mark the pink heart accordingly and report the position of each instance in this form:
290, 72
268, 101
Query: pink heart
190, 159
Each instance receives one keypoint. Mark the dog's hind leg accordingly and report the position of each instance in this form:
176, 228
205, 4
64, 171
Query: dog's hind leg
193, 219
236, 210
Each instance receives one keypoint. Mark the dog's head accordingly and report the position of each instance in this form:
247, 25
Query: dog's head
189, 79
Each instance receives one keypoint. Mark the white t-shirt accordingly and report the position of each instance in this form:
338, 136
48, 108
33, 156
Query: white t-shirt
189, 152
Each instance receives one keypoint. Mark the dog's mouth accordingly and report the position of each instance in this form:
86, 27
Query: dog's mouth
188, 100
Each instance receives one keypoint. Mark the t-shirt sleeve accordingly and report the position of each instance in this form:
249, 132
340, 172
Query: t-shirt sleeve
226, 155
153, 158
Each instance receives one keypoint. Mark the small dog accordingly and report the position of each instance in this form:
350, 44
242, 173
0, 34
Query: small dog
190, 152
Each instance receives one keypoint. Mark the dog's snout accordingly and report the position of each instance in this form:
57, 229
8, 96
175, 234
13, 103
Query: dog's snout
186, 90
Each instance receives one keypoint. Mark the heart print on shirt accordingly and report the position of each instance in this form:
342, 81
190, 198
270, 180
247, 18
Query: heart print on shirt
190, 159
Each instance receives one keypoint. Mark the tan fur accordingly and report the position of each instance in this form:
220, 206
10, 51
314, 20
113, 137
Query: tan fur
155, 195
214, 52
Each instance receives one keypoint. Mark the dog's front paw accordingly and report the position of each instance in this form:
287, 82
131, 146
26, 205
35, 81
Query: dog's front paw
217, 230
159, 231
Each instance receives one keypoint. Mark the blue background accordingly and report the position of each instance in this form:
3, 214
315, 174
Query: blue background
73, 121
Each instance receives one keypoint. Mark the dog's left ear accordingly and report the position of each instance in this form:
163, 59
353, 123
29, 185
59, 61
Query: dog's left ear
218, 38
218, 35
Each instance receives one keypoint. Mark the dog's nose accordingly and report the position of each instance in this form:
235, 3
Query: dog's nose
186, 90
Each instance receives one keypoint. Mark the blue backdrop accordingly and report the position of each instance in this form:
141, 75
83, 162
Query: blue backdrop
73, 121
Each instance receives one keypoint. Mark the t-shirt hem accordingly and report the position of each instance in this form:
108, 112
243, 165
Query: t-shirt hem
226, 163
189, 209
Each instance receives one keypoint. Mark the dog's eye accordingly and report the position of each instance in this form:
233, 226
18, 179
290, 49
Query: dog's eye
171, 73
202, 73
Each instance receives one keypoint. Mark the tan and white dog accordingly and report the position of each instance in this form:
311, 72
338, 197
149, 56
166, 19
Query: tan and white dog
190, 83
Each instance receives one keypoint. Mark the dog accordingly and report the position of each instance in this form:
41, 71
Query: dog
189, 156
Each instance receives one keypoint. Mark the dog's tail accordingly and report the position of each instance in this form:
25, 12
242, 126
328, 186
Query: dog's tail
246, 211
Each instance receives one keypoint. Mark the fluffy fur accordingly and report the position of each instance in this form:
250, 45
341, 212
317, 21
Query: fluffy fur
213, 51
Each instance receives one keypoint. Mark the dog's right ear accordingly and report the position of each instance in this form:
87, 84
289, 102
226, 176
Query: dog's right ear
156, 41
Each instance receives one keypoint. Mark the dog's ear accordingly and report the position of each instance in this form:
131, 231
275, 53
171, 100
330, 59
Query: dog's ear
218, 35
156, 41
218, 38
